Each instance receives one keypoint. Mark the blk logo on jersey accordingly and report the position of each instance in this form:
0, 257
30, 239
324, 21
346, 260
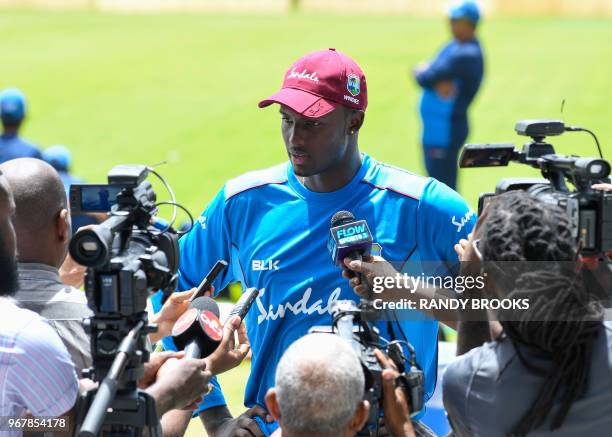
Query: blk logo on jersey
260, 265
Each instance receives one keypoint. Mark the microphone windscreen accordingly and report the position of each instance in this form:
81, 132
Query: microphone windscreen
205, 303
342, 217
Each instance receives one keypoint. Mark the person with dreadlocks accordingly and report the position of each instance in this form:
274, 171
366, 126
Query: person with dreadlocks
542, 370
550, 369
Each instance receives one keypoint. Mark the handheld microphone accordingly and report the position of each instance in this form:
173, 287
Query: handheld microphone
198, 331
348, 238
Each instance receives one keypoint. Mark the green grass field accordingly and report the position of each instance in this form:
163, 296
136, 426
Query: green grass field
184, 88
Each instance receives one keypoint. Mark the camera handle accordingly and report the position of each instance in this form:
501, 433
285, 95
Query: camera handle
127, 410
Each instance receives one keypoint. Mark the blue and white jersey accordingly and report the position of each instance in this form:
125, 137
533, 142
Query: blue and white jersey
12, 147
274, 231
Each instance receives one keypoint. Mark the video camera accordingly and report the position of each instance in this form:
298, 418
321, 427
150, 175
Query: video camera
350, 322
589, 210
129, 256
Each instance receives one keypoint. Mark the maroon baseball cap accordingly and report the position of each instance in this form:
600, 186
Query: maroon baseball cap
320, 81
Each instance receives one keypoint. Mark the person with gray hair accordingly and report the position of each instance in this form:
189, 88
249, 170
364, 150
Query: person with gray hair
319, 389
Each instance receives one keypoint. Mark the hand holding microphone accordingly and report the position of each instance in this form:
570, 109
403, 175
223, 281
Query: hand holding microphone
200, 333
179, 383
368, 268
229, 354
349, 238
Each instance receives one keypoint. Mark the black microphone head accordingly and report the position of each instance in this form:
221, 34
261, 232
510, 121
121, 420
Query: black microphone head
341, 218
205, 303
199, 324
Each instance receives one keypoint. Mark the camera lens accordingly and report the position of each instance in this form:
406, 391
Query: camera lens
598, 169
90, 247
592, 168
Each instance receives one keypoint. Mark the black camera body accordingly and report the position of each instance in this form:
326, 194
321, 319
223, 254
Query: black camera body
589, 210
128, 259
350, 322
126, 255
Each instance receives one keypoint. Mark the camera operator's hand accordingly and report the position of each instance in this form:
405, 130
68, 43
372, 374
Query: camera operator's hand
170, 312
243, 425
602, 187
465, 249
228, 355
72, 273
370, 267
469, 259
395, 404
152, 366
179, 384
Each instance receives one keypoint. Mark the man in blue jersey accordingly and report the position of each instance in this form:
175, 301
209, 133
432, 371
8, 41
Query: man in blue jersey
273, 225
12, 113
449, 84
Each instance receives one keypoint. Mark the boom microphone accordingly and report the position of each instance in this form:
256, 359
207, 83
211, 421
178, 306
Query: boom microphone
198, 331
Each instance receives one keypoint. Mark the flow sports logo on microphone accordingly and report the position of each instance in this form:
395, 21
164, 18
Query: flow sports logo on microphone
351, 233
348, 237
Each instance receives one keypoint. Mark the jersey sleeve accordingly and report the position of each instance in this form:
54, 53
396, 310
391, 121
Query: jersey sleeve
43, 379
444, 218
456, 65
208, 241
441, 69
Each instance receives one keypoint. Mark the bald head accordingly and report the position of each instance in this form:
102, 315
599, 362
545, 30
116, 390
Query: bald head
319, 387
41, 217
8, 267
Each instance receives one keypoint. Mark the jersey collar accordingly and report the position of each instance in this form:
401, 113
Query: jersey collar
332, 196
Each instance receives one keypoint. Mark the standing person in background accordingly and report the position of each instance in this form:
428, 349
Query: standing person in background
449, 84
60, 158
12, 113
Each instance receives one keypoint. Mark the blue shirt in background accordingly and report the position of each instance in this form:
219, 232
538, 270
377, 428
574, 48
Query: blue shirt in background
12, 147
273, 231
445, 120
